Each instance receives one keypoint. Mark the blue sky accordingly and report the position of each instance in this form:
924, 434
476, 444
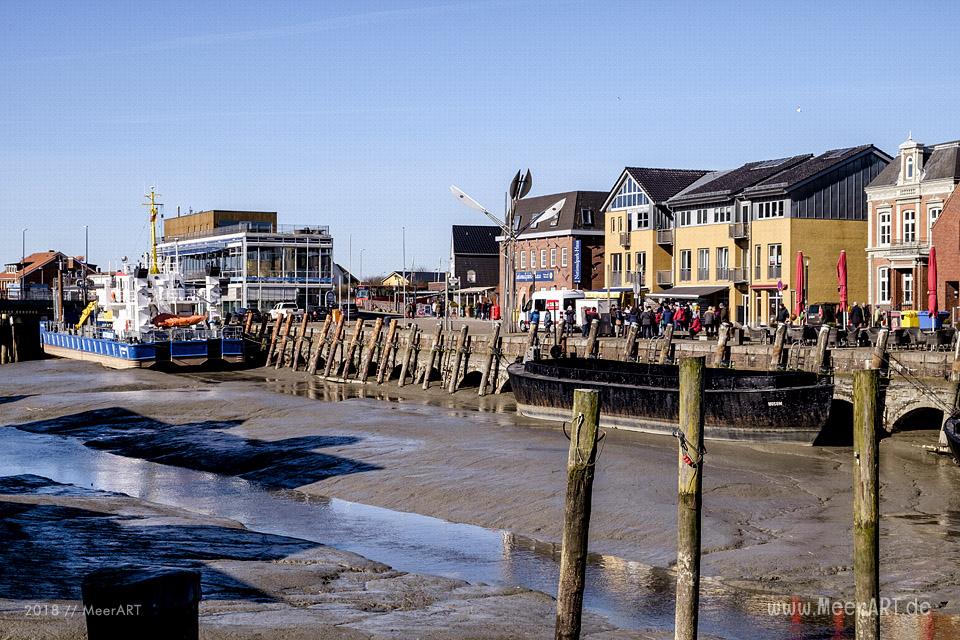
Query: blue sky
360, 115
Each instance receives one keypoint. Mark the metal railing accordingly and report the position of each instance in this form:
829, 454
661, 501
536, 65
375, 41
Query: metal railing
774, 271
253, 227
685, 275
738, 274
703, 273
723, 273
616, 278
739, 230
624, 239
664, 236
665, 278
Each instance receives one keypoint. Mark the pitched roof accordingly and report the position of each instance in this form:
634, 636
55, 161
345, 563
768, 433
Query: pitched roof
729, 183
420, 276
475, 239
36, 261
663, 184
808, 169
568, 218
939, 161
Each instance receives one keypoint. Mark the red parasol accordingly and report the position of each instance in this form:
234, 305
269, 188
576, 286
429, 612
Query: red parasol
800, 284
932, 283
842, 279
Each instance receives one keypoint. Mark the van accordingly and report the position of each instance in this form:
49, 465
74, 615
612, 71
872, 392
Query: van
555, 301
821, 313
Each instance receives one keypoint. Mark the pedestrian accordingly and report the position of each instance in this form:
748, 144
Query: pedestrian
666, 318
617, 322
646, 323
723, 317
856, 315
708, 320
547, 320
534, 318
570, 319
782, 314
587, 319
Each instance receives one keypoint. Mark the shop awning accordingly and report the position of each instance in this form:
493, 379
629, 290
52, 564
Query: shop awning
474, 290
687, 293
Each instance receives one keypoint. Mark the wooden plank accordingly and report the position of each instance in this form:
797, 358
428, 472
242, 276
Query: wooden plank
866, 503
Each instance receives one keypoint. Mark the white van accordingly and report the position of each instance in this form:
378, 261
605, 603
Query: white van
555, 301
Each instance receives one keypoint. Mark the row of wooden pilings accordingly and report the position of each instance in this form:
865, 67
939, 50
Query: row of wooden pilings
19, 340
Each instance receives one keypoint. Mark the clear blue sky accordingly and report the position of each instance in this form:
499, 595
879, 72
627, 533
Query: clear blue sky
360, 115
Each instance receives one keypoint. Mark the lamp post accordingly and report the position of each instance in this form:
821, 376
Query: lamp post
806, 283
23, 258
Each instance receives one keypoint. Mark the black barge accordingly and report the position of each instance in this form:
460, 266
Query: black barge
775, 406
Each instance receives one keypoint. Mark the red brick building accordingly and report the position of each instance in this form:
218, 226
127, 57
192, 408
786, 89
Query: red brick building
946, 238
38, 274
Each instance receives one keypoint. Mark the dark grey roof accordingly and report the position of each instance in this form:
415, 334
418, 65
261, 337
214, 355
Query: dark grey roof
729, 183
471, 239
424, 276
939, 161
663, 184
569, 218
802, 172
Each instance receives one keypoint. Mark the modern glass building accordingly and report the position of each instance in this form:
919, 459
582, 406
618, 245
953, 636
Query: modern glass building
264, 262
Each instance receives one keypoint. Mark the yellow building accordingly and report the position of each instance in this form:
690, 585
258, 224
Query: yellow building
638, 227
737, 233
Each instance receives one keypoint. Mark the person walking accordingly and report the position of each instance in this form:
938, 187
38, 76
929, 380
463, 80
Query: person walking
856, 315
570, 319
782, 314
547, 320
646, 323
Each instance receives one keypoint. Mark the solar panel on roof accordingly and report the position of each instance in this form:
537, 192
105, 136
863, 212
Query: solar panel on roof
837, 153
768, 164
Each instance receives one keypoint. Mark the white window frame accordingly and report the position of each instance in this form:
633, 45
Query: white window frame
908, 217
884, 227
523, 259
909, 168
883, 285
907, 282
703, 263
553, 257
563, 256
933, 212
643, 219
543, 258
533, 258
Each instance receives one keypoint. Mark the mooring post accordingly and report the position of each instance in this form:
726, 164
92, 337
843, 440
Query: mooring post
432, 358
298, 343
629, 342
4, 333
690, 465
247, 322
273, 338
454, 381
721, 356
262, 333
355, 339
318, 347
335, 338
592, 339
866, 503
879, 357
488, 365
531, 337
367, 357
581, 458
405, 361
955, 367
385, 351
821, 364
776, 357
665, 343
284, 337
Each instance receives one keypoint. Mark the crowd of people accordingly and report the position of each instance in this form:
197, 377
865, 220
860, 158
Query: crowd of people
653, 319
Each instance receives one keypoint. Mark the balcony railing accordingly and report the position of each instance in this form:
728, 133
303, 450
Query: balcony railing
723, 273
625, 239
626, 278
774, 271
253, 227
664, 236
738, 274
739, 230
616, 278
902, 248
685, 275
665, 278
703, 273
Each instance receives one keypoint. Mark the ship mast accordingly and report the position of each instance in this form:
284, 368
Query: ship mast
153, 228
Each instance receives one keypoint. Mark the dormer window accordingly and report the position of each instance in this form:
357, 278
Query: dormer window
586, 217
909, 169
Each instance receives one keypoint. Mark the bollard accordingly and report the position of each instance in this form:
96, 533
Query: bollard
432, 359
879, 357
351, 348
690, 464
454, 381
581, 458
488, 365
405, 362
298, 343
386, 351
318, 347
284, 336
148, 603
592, 340
721, 357
630, 341
335, 338
367, 357
866, 503
667, 340
776, 358
821, 364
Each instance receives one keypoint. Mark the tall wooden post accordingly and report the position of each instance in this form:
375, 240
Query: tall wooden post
318, 347
405, 362
298, 343
262, 333
665, 343
866, 503
367, 356
352, 347
955, 368
823, 341
432, 358
690, 464
488, 365
879, 358
592, 339
273, 339
581, 459
531, 336
721, 357
454, 381
4, 333
387, 350
776, 357
335, 338
284, 336
629, 342
247, 322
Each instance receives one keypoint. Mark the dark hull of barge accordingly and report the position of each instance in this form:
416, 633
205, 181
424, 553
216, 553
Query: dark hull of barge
951, 429
774, 406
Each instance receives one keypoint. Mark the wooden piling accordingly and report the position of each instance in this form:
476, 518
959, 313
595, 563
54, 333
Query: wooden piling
262, 333
434, 351
821, 364
298, 343
284, 336
690, 464
454, 382
581, 458
879, 357
866, 503
488, 364
955, 367
386, 351
531, 337
320, 341
405, 362
592, 339
273, 339
721, 357
351, 348
665, 343
4, 333
335, 339
776, 357
629, 342
247, 322
367, 357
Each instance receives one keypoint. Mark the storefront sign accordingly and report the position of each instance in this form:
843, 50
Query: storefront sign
577, 260
539, 276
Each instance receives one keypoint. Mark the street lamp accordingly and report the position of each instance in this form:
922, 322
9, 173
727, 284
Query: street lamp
23, 258
806, 283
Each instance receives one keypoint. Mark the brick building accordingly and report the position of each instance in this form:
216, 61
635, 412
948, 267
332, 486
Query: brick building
946, 238
38, 273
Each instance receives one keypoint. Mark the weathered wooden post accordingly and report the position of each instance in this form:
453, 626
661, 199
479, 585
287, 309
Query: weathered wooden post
690, 464
592, 339
823, 341
432, 359
351, 348
284, 336
454, 381
247, 322
405, 361
16, 349
277, 323
318, 347
629, 342
4, 337
262, 333
665, 343
531, 337
955, 368
387, 350
866, 503
488, 365
879, 357
298, 343
581, 459
367, 356
776, 357
721, 357
335, 338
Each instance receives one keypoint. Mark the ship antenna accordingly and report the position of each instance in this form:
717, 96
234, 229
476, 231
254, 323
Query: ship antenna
153, 227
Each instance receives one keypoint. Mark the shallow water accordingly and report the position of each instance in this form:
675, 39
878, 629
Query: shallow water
629, 594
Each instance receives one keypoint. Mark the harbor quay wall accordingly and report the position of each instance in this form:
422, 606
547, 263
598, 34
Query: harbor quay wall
917, 386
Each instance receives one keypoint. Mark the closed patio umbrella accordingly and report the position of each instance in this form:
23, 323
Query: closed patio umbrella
799, 284
842, 283
932, 286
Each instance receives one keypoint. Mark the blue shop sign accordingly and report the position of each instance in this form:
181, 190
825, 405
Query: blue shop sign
577, 260
539, 276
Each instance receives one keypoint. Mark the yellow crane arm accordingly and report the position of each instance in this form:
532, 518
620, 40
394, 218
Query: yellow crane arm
90, 308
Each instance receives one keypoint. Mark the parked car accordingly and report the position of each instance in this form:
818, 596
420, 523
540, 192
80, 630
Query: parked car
349, 309
821, 313
240, 314
317, 314
283, 309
